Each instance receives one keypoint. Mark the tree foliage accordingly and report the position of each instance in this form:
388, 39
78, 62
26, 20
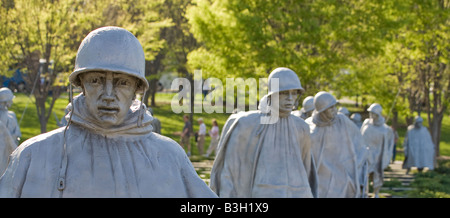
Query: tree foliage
395, 52
52, 30
314, 38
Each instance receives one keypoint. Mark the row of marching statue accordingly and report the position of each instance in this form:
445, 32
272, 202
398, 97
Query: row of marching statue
314, 152
108, 148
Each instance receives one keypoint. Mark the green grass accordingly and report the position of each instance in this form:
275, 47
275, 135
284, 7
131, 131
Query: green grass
29, 125
172, 125
432, 184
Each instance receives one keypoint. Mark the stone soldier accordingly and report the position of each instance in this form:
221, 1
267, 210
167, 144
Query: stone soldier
7, 146
338, 150
344, 110
378, 137
419, 148
9, 118
271, 160
108, 148
356, 118
307, 108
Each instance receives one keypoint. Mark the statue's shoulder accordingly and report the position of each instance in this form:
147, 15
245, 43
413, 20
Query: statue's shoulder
42, 141
246, 117
12, 114
163, 144
299, 122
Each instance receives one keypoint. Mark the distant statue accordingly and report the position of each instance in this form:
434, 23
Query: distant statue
6, 147
338, 150
259, 160
419, 147
307, 108
356, 118
155, 122
379, 139
9, 118
344, 110
108, 148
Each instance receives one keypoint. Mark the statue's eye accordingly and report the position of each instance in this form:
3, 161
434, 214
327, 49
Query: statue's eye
122, 82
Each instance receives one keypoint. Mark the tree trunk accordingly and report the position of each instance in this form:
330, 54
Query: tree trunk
435, 130
152, 69
40, 108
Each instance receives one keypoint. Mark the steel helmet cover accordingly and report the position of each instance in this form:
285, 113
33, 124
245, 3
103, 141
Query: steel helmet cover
111, 49
324, 100
287, 80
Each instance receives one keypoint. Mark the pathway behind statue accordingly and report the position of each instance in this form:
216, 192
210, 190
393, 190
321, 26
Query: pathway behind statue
108, 148
419, 148
258, 160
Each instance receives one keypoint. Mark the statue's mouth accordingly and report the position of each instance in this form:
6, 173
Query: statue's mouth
108, 110
288, 105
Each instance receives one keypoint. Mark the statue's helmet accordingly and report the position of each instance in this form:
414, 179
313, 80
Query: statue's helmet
324, 100
110, 49
418, 119
287, 80
308, 104
344, 110
356, 117
6, 95
375, 108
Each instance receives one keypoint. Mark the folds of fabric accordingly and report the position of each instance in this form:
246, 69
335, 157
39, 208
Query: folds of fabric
340, 156
7, 146
419, 148
379, 139
127, 161
264, 160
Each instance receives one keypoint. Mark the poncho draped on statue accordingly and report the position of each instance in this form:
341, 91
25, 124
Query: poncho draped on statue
379, 139
9, 119
7, 146
419, 148
123, 161
340, 156
264, 160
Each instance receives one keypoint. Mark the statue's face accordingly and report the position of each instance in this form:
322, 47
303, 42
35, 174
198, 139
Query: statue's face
328, 114
286, 101
108, 96
308, 114
4, 105
374, 116
417, 124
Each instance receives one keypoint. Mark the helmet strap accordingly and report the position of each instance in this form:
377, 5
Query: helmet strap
141, 111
